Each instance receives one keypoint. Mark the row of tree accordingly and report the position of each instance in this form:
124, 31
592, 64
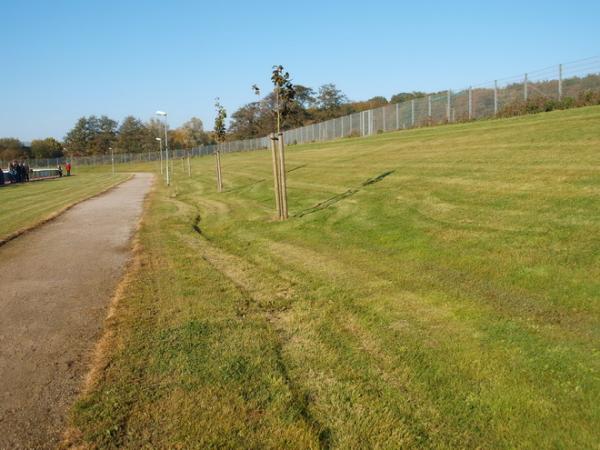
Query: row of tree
96, 135
12, 148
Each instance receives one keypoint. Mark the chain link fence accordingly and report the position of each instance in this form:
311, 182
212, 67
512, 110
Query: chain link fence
496, 98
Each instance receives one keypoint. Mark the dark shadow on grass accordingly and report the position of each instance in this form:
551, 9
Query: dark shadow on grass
339, 197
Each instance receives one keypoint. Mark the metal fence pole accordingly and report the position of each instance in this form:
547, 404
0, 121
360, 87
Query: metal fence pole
383, 113
470, 103
397, 116
448, 105
495, 97
429, 109
560, 93
525, 88
412, 112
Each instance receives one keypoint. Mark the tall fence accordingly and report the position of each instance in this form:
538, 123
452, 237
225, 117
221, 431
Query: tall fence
486, 100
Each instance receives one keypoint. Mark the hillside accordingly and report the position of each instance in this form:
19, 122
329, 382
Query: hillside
433, 288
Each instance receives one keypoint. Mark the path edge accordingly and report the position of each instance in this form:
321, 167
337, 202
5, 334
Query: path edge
98, 354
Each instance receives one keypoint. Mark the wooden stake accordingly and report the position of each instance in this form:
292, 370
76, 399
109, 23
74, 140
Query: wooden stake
282, 178
189, 166
276, 189
219, 175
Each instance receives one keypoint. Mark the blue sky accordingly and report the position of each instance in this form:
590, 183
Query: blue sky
65, 59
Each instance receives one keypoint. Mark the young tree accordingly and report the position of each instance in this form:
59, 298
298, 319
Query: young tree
284, 93
220, 133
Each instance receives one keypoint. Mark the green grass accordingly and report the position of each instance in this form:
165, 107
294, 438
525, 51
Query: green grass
23, 206
452, 304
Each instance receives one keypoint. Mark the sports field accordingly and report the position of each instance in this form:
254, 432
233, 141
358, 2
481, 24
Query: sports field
434, 288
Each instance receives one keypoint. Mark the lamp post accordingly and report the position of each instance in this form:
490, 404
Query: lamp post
164, 114
112, 159
160, 150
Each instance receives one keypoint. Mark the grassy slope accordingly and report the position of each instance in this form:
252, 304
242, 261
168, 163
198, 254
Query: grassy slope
25, 205
454, 303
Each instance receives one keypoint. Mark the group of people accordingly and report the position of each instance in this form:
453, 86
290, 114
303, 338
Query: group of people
18, 172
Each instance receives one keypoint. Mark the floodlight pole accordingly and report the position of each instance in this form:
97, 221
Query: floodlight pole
160, 150
164, 114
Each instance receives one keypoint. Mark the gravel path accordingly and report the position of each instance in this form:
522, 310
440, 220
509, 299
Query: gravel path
55, 286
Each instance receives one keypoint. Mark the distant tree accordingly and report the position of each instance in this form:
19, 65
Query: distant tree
405, 96
330, 99
378, 101
245, 121
104, 134
194, 131
11, 148
134, 136
78, 138
305, 96
46, 148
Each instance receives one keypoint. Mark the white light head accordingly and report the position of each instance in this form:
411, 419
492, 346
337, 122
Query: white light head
158, 139
110, 148
161, 113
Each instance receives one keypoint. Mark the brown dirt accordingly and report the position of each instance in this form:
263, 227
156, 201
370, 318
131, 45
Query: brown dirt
56, 283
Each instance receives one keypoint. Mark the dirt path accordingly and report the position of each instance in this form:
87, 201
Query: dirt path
55, 286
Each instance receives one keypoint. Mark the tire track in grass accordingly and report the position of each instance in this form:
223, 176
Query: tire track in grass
268, 302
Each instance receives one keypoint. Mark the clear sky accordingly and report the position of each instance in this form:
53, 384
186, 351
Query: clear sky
64, 59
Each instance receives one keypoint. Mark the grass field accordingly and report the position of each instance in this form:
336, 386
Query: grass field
450, 302
25, 205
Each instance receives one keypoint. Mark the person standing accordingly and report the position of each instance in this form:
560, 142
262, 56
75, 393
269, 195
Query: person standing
68, 167
1, 176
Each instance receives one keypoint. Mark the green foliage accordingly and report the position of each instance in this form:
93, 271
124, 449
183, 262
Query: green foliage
134, 137
220, 129
538, 103
406, 96
46, 148
11, 148
284, 93
330, 99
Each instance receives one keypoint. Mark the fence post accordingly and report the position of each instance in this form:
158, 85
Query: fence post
429, 110
470, 103
525, 88
495, 97
397, 116
370, 122
383, 113
448, 106
560, 93
412, 112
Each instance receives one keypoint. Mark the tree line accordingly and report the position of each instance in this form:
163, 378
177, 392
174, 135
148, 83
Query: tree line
94, 135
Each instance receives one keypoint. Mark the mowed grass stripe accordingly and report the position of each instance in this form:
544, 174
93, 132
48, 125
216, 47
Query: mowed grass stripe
451, 304
24, 205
